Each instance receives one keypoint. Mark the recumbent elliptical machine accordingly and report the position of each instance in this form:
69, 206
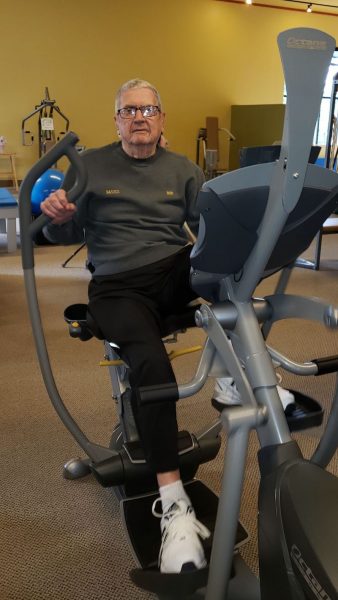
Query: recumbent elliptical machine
274, 210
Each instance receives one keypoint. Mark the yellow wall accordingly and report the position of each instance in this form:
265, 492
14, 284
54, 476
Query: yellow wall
203, 55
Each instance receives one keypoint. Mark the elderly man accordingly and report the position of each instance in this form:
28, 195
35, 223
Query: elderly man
131, 215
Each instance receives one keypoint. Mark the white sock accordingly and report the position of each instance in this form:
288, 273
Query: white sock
172, 492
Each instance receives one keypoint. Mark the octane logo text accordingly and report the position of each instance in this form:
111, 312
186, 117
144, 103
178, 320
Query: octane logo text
307, 574
293, 42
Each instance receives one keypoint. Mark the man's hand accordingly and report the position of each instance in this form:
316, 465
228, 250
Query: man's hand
57, 207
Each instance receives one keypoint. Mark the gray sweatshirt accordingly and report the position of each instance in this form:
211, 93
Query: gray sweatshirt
132, 211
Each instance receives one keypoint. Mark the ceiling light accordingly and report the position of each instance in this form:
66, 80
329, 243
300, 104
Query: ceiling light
309, 8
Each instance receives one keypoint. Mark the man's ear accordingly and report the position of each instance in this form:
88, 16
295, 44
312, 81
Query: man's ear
117, 127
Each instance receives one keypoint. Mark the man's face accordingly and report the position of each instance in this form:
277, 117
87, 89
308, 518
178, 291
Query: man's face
139, 131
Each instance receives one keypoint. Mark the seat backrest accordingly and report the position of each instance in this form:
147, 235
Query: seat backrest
231, 211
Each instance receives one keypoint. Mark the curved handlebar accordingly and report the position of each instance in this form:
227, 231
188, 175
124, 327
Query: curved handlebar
65, 147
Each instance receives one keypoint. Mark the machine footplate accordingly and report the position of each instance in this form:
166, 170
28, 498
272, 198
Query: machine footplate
179, 585
144, 529
301, 414
243, 584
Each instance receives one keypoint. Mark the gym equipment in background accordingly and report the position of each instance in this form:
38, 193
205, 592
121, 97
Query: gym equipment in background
65, 263
9, 211
207, 139
254, 221
255, 155
48, 182
46, 126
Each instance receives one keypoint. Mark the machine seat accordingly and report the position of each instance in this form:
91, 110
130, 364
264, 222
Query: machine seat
82, 325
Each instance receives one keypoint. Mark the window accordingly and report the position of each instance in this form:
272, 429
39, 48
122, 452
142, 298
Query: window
322, 126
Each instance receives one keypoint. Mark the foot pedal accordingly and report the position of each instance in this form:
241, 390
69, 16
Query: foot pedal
301, 414
144, 530
179, 585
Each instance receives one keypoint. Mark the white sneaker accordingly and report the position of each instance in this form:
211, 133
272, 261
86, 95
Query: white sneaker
181, 549
226, 392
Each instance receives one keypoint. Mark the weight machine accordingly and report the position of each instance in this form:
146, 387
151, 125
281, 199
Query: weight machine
47, 136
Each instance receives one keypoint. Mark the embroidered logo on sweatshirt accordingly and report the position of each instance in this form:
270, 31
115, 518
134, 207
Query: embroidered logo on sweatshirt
112, 192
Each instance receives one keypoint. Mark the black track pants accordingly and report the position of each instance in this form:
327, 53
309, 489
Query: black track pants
129, 308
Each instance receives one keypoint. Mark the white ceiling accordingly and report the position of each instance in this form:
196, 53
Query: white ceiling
319, 5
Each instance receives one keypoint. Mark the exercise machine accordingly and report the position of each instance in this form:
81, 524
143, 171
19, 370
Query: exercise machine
46, 128
269, 213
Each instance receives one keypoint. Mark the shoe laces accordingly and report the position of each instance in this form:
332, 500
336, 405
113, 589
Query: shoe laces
226, 391
182, 519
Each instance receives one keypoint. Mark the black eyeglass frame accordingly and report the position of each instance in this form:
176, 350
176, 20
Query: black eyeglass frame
143, 109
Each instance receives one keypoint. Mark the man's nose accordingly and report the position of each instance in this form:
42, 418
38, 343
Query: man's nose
139, 115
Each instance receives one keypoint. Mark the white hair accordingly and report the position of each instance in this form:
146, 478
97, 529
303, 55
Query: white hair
136, 83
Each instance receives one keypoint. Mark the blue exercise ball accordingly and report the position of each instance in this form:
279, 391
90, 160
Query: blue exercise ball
51, 180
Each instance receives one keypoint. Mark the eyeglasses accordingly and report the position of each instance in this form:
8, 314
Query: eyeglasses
129, 112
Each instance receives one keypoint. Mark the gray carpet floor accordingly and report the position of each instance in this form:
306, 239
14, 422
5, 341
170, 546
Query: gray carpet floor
63, 540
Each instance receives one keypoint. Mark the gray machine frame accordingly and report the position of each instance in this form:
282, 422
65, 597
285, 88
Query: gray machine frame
233, 326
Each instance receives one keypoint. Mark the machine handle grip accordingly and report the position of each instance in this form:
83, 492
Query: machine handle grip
326, 364
65, 147
152, 394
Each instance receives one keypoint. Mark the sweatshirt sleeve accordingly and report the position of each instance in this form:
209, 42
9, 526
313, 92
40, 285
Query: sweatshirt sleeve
66, 234
193, 187
71, 232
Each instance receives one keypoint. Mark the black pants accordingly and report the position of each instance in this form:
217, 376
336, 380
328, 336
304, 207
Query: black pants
129, 308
